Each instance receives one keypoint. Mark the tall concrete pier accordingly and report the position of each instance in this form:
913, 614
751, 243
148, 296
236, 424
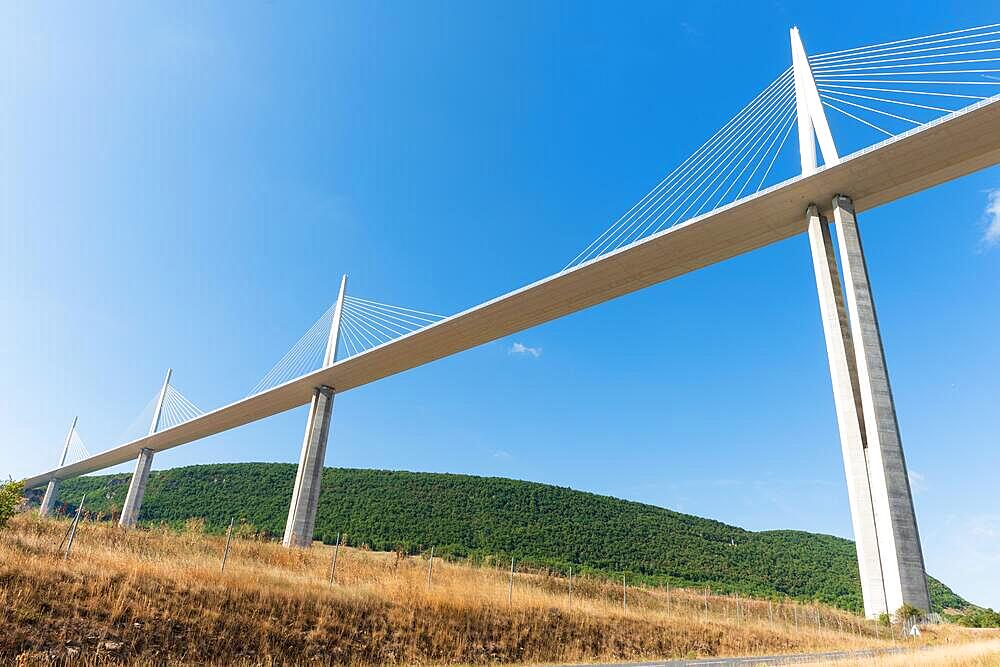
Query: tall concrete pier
890, 560
305, 494
847, 401
52, 489
902, 558
137, 487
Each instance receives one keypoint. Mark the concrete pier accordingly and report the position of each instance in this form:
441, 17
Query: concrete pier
305, 495
52, 489
301, 523
847, 400
895, 520
137, 487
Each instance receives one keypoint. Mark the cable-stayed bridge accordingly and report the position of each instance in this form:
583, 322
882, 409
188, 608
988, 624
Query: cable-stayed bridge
922, 110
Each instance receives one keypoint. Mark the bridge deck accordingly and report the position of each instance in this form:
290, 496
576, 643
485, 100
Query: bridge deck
953, 146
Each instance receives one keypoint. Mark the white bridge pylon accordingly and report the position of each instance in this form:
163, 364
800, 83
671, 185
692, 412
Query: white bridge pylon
713, 206
890, 557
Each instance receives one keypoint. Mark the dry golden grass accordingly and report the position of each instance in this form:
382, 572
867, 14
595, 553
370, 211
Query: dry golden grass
158, 596
974, 654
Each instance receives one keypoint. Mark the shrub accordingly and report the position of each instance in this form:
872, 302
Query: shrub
11, 493
980, 618
908, 614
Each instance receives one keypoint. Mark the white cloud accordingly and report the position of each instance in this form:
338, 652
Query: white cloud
524, 351
991, 236
502, 454
918, 482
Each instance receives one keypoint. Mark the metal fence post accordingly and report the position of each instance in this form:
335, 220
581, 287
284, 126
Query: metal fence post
72, 528
229, 539
510, 586
333, 566
430, 567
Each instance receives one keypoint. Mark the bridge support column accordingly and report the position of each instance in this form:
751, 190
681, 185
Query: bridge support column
305, 495
847, 400
49, 499
890, 560
137, 487
301, 524
895, 519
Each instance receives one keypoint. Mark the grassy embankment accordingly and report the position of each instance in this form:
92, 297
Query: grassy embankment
158, 595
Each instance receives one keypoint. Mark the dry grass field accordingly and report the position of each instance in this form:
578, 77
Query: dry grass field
158, 597
983, 653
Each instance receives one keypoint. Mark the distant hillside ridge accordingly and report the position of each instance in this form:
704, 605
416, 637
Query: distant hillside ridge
472, 517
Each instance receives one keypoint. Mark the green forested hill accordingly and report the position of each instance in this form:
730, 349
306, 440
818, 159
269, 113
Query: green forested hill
478, 517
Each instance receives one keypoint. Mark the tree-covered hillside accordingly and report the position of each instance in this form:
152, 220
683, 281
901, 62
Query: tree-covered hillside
480, 517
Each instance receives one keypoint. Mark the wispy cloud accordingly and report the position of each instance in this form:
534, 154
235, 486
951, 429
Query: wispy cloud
918, 482
502, 454
991, 236
523, 350
689, 29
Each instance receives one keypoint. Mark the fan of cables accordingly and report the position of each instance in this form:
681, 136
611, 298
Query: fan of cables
368, 324
306, 355
734, 162
364, 324
896, 86
176, 409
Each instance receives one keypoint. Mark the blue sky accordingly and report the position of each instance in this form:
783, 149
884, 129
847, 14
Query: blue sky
182, 185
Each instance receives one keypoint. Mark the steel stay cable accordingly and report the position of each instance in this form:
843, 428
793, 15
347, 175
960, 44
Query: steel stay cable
788, 131
283, 372
369, 334
359, 348
901, 90
313, 359
850, 70
389, 328
707, 161
377, 334
407, 317
888, 46
878, 111
677, 171
409, 325
697, 189
775, 126
929, 73
892, 57
379, 328
385, 305
699, 193
408, 320
188, 404
293, 353
302, 347
915, 82
349, 350
775, 112
931, 60
775, 121
767, 152
394, 328
883, 99
860, 120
